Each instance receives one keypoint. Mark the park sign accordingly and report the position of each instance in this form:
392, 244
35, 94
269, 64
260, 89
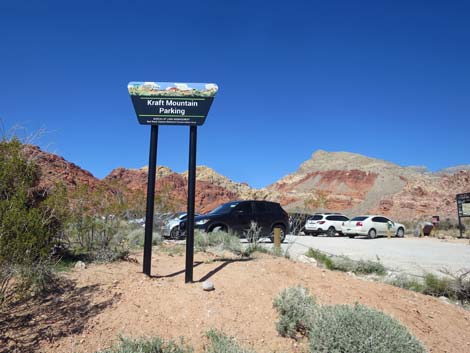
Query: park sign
463, 204
165, 103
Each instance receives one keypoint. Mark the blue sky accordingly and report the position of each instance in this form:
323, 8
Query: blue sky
387, 79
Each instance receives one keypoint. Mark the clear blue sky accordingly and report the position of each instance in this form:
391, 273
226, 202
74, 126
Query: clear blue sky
387, 79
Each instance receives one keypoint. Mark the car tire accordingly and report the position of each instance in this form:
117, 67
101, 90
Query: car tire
400, 233
372, 233
351, 236
331, 232
283, 233
174, 233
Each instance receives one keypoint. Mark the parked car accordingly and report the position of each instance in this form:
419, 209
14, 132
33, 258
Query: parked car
325, 223
171, 226
372, 226
237, 217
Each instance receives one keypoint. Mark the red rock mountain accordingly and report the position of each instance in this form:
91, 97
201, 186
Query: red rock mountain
330, 181
353, 184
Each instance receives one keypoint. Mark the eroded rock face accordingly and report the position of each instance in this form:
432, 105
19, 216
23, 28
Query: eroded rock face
329, 181
54, 169
353, 184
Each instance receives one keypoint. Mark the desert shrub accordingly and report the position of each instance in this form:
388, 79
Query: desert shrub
221, 343
218, 241
407, 282
31, 219
153, 345
296, 309
133, 238
321, 257
460, 284
344, 328
346, 264
437, 286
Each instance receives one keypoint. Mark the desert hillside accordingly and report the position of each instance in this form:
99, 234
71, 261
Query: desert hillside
329, 181
352, 183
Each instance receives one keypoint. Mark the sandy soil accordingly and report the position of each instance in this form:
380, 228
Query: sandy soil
104, 301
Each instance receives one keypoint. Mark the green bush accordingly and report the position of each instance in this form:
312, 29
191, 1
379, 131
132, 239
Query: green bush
220, 343
218, 241
438, 286
31, 219
296, 309
344, 329
346, 264
407, 282
321, 258
153, 345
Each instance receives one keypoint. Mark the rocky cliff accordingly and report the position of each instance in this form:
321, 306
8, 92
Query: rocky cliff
328, 181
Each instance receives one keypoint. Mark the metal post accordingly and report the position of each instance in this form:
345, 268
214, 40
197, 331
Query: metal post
460, 227
191, 199
150, 200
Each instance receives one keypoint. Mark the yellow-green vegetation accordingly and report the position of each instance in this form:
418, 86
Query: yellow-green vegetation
455, 286
346, 264
31, 222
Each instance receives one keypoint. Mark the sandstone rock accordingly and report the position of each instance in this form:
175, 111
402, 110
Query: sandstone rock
80, 265
444, 300
208, 286
307, 260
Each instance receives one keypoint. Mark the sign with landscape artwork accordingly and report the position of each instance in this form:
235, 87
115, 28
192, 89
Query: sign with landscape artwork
165, 103
463, 204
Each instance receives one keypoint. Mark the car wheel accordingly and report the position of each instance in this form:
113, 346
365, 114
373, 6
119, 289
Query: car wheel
372, 234
400, 233
331, 232
174, 233
283, 234
351, 236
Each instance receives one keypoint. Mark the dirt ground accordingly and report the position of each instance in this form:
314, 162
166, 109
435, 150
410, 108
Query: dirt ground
105, 301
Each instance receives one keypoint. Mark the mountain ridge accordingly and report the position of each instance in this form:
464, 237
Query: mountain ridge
335, 181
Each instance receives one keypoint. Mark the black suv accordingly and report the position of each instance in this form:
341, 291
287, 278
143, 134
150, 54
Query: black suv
237, 217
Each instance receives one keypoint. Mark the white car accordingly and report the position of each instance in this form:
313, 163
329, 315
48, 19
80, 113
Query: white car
325, 223
372, 226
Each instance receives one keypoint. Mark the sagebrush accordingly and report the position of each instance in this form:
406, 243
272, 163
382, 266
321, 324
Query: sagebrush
345, 328
296, 309
221, 343
152, 345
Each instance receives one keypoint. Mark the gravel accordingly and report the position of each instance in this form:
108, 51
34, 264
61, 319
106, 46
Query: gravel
410, 255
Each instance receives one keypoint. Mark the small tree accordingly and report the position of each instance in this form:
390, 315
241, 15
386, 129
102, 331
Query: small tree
31, 219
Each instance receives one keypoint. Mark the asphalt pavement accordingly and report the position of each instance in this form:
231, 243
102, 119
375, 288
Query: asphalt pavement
410, 255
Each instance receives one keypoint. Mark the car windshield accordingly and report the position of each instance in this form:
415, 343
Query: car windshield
358, 219
316, 217
225, 208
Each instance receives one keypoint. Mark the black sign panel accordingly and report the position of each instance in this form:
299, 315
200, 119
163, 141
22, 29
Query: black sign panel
163, 103
463, 204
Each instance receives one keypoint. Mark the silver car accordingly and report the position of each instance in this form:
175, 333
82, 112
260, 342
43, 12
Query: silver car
171, 226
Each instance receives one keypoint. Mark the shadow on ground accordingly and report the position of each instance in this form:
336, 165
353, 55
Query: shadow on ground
25, 323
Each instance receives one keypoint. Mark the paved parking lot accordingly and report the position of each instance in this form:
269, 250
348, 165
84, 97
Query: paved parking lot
411, 255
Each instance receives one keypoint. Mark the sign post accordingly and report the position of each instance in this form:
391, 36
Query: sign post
150, 200
165, 103
188, 276
463, 209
